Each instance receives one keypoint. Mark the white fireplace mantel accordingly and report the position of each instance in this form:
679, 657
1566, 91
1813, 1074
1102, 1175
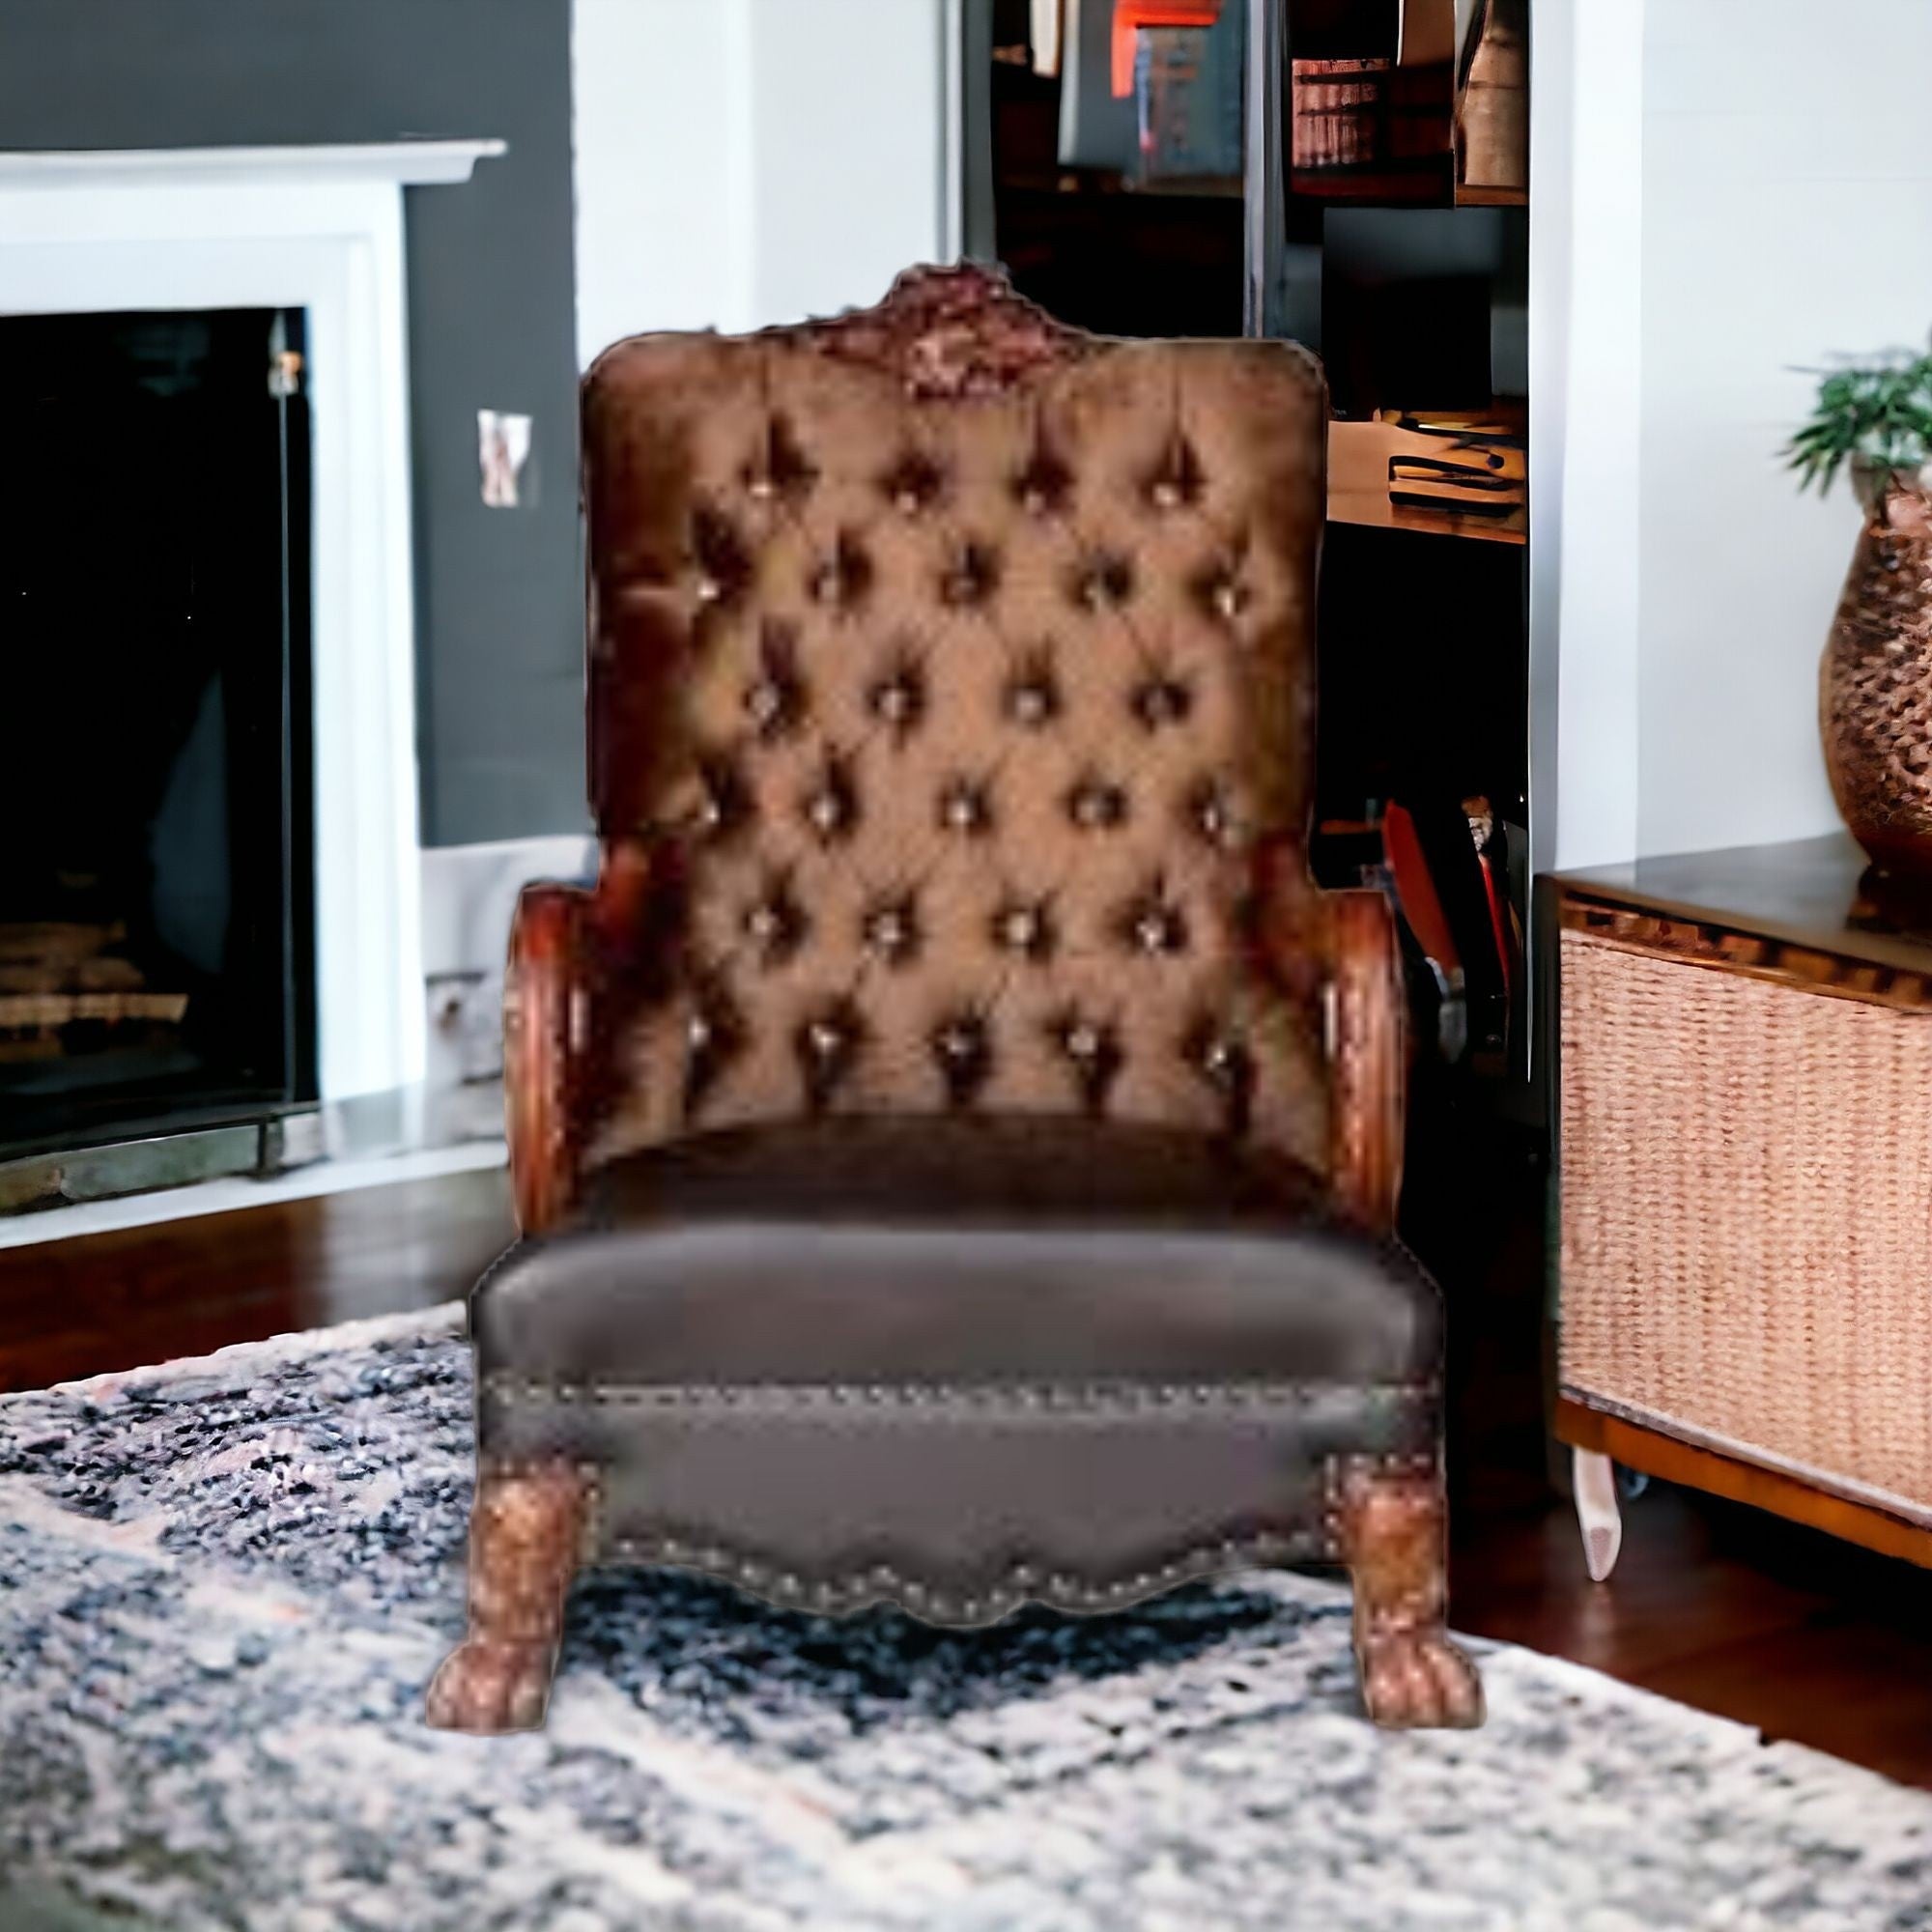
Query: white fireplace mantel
401, 163
320, 229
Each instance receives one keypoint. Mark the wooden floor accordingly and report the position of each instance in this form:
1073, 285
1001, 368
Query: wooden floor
1718, 1605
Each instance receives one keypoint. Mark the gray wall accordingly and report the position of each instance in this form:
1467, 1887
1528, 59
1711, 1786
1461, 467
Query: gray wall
492, 312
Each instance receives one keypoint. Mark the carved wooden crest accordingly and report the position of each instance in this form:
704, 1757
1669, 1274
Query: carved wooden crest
950, 332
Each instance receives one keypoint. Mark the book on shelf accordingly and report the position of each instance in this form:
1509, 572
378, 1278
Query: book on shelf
1187, 93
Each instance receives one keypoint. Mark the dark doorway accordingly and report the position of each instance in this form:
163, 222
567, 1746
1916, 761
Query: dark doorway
156, 937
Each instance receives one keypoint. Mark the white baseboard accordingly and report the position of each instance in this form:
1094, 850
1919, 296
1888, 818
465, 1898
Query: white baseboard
469, 898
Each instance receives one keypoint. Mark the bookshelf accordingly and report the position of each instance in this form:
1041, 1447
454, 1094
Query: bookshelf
1403, 260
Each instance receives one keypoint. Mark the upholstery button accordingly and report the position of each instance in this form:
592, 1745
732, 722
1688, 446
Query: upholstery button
913, 483
1227, 1066
1033, 699
962, 1046
1096, 805
1104, 582
1158, 927
1162, 700
826, 1043
1176, 483
776, 926
898, 698
1226, 595
1024, 928
1212, 814
892, 930
1093, 1051
768, 704
832, 806
718, 558
970, 577
779, 467
844, 576
724, 803
1043, 486
965, 807
713, 1034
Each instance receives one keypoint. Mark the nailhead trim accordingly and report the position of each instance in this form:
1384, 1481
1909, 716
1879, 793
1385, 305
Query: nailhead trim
1033, 1395
1023, 1581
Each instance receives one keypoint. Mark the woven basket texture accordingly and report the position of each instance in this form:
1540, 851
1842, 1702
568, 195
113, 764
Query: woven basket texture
1747, 1215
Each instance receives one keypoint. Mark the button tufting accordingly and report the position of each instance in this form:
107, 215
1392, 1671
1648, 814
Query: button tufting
776, 924
1177, 482
826, 1043
1156, 926
1024, 928
1212, 814
1096, 806
779, 467
1044, 485
962, 1047
1104, 582
1161, 701
913, 484
844, 576
1227, 1066
965, 805
1093, 1051
1032, 698
724, 803
970, 577
892, 930
714, 1034
718, 558
898, 699
831, 808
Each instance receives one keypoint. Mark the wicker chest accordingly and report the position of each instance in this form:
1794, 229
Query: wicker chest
1745, 1165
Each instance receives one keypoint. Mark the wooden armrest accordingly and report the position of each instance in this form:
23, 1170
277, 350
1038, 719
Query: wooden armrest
1367, 1057
569, 948
1342, 946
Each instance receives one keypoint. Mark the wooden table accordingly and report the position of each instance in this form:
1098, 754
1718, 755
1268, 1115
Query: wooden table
1743, 1126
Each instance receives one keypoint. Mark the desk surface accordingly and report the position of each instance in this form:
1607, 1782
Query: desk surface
1809, 891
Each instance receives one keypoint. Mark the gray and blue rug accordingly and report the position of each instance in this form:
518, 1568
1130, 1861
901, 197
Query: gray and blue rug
225, 1585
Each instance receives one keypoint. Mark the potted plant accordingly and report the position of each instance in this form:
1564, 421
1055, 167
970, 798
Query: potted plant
1874, 420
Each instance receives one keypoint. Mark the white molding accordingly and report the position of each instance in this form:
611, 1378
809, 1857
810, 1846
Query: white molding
404, 163
1585, 314
304, 230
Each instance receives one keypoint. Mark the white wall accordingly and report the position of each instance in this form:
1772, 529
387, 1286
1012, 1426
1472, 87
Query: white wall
1585, 383
1728, 193
748, 161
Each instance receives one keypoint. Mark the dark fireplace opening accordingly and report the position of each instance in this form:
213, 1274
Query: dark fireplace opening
156, 900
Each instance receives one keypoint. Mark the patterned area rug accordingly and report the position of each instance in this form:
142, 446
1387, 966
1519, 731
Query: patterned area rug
225, 1585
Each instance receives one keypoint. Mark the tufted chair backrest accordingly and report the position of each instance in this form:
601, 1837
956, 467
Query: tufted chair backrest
953, 666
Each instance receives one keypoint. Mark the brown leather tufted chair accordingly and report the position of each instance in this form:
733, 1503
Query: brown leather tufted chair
956, 1147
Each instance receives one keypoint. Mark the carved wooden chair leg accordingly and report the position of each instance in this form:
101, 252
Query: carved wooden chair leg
1594, 1478
526, 1539
1393, 1532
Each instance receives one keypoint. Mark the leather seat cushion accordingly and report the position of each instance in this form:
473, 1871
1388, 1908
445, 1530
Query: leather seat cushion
956, 1362
857, 1249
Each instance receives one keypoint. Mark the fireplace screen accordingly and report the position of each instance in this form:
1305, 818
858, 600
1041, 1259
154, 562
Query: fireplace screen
156, 896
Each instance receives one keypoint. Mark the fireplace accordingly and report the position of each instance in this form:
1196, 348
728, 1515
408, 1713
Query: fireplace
156, 880
274, 952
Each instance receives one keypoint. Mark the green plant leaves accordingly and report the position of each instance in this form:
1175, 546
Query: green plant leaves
1879, 412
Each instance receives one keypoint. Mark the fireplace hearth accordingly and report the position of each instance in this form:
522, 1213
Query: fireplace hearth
157, 874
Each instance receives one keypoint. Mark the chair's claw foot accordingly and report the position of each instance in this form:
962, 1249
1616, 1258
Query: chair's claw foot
1418, 1680
489, 1685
